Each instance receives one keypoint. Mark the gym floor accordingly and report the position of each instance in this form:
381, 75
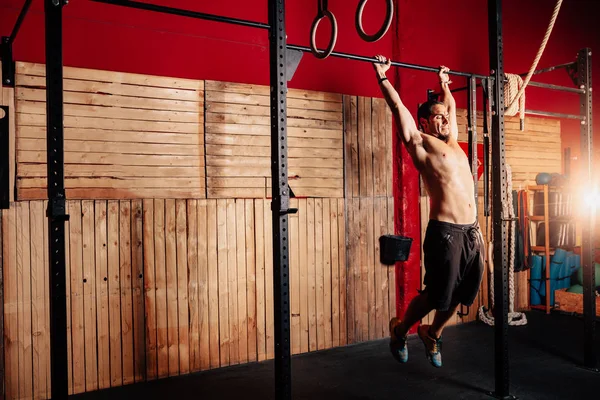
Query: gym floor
545, 363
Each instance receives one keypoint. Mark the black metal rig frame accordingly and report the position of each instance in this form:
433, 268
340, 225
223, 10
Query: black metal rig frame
279, 52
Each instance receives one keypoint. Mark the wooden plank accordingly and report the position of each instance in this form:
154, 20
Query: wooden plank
347, 147
363, 300
194, 259
126, 291
26, 156
89, 296
26, 68
260, 120
150, 304
343, 270
391, 271
38, 317
11, 318
77, 307
264, 91
102, 297
104, 135
117, 113
183, 323
234, 182
380, 147
171, 287
90, 86
242, 319
269, 318
225, 193
213, 281
294, 280
238, 161
370, 266
335, 273
259, 238
319, 274
327, 274
303, 274
137, 271
259, 110
68, 299
354, 143
122, 124
224, 332
262, 132
232, 282
311, 275
264, 151
161, 288
9, 100
388, 153
124, 148
203, 360
100, 193
257, 100
367, 149
24, 305
83, 170
361, 147
114, 294
381, 301
302, 172
250, 259
112, 100
118, 183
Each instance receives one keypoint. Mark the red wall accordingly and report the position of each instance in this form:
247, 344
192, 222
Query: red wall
431, 33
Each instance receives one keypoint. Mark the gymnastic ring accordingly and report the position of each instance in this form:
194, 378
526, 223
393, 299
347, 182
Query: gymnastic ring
386, 24
313, 35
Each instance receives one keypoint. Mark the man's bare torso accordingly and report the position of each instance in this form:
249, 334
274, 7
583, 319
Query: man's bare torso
447, 176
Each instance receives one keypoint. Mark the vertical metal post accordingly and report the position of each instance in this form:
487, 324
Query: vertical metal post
56, 211
472, 125
499, 185
4, 164
584, 81
280, 199
488, 102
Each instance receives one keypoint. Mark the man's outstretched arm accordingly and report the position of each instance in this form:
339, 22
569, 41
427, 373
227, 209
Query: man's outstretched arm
408, 128
448, 100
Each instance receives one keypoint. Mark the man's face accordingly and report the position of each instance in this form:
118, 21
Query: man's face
437, 124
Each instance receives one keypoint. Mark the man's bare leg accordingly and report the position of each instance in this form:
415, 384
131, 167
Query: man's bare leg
417, 309
440, 320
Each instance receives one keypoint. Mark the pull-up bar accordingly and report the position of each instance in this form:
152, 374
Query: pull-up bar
184, 13
394, 63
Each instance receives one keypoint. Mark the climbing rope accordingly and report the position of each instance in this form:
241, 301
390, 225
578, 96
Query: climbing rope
514, 91
514, 318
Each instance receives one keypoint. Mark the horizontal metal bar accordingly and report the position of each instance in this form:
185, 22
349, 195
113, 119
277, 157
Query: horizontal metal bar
553, 114
556, 87
20, 19
541, 71
184, 13
394, 63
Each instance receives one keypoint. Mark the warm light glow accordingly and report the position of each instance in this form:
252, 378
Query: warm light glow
592, 198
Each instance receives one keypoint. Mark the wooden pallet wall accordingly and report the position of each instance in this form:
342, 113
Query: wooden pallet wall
165, 287
238, 142
370, 214
126, 135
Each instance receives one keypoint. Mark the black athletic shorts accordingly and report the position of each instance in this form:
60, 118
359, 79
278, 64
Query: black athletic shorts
453, 255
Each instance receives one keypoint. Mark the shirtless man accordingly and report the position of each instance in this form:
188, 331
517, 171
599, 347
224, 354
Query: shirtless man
453, 247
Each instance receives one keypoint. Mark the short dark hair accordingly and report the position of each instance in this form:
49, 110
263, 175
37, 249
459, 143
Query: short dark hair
425, 109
